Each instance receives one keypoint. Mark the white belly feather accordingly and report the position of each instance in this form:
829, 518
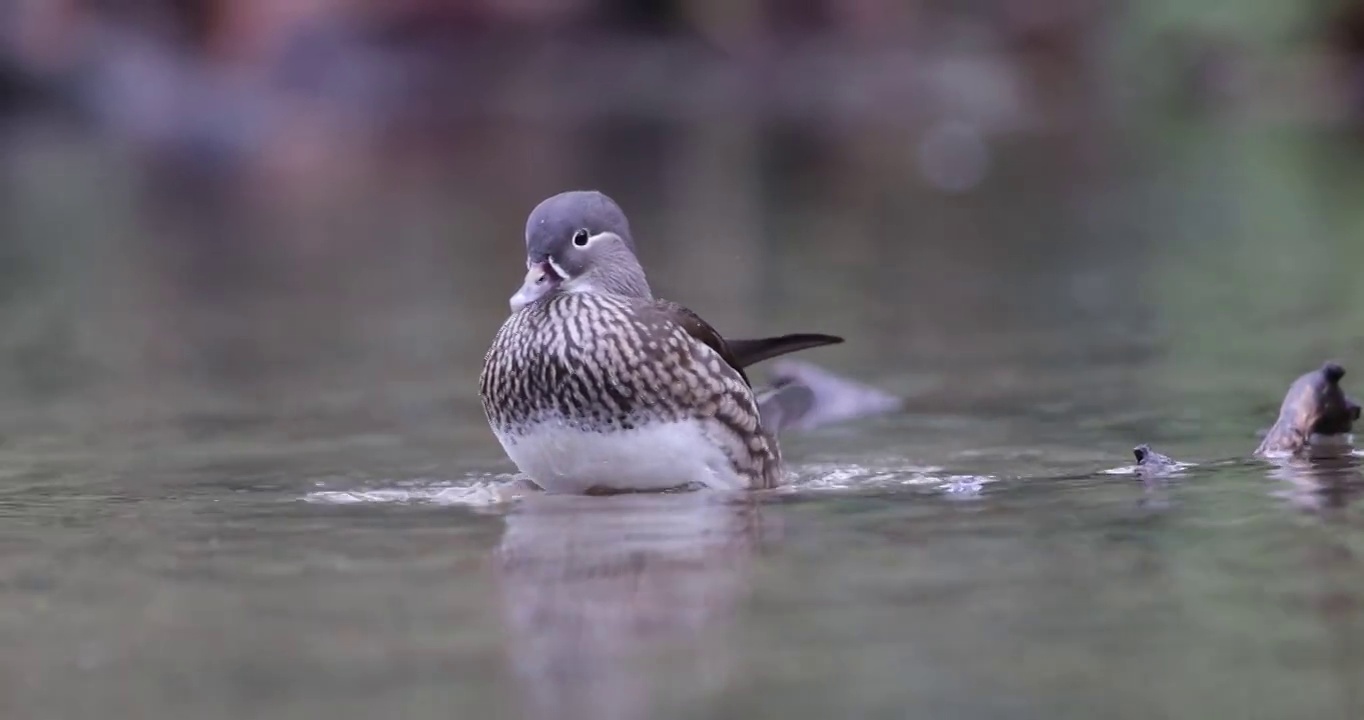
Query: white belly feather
657, 456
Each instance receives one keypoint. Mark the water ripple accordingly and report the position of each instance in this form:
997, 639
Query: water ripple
488, 490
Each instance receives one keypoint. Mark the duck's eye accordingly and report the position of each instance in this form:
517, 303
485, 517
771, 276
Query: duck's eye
580, 238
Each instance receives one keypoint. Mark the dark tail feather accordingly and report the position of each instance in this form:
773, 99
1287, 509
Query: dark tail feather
754, 351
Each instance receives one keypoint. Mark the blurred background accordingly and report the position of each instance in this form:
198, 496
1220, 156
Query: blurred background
228, 220
294, 194
254, 250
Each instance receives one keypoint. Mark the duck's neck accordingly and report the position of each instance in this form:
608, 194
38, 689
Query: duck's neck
626, 279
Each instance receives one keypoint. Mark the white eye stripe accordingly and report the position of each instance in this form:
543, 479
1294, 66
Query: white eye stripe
558, 269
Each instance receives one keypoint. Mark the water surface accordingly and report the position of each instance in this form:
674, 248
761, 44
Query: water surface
245, 473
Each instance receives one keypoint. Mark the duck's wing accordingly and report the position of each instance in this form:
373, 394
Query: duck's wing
802, 396
700, 330
741, 353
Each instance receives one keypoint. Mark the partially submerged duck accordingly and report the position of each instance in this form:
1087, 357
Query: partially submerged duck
1315, 411
1316, 417
1151, 462
593, 385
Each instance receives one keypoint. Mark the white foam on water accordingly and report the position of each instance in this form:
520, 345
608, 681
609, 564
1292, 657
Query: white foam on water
1137, 469
836, 477
488, 491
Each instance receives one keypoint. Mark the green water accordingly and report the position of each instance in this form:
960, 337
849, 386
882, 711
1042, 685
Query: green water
244, 472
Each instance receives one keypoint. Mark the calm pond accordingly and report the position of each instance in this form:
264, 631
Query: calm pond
246, 474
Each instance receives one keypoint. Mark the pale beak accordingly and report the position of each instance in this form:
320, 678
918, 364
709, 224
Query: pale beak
540, 281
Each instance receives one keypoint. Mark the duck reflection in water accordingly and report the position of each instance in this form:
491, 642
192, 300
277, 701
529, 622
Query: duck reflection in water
606, 597
1327, 479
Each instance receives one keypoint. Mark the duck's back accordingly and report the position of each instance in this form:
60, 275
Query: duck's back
593, 390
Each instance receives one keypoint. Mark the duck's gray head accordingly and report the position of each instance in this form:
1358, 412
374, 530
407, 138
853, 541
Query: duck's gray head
579, 241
